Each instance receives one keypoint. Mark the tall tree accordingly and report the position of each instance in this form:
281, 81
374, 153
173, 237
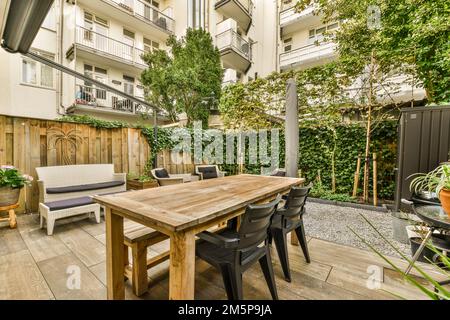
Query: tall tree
188, 79
397, 34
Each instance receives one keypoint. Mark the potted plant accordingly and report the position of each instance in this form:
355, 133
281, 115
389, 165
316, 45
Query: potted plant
135, 182
11, 182
437, 181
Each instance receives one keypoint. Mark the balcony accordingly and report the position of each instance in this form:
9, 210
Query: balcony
308, 56
146, 17
96, 44
291, 21
100, 100
235, 51
239, 10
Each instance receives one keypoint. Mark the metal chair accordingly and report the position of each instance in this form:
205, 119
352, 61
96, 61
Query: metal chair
233, 251
287, 219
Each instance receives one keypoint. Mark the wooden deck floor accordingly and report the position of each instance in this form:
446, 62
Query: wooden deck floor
36, 266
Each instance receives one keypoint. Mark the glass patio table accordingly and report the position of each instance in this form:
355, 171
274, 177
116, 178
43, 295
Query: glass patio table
437, 220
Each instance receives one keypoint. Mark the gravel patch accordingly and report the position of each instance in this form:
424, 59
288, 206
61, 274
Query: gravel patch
331, 223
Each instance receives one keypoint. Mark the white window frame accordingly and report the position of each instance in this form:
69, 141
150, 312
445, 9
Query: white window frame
38, 70
314, 38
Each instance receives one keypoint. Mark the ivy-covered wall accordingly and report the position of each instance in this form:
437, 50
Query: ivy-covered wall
316, 149
316, 145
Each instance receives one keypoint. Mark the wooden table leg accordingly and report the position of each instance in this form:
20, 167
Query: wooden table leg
294, 239
114, 256
12, 219
182, 266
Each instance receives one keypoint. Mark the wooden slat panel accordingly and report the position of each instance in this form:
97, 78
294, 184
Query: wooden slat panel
92, 144
35, 161
82, 154
116, 149
52, 150
125, 166
2, 140
133, 151
103, 146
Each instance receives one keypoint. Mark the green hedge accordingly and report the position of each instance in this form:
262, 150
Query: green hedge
315, 155
316, 145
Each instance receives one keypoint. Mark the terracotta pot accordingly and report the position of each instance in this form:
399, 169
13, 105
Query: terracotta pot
9, 196
444, 196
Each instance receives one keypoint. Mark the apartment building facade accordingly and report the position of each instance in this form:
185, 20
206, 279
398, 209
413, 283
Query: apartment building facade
303, 45
105, 39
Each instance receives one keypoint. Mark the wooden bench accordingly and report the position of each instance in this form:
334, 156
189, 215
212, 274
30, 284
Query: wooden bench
139, 238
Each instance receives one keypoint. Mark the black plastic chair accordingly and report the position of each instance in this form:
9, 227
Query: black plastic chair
233, 251
287, 219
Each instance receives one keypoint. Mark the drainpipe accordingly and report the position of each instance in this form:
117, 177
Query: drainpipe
59, 57
277, 37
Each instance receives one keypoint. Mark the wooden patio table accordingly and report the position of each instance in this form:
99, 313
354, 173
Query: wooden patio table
181, 211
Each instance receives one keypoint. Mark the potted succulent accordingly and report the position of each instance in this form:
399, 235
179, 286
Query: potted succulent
135, 182
437, 181
11, 182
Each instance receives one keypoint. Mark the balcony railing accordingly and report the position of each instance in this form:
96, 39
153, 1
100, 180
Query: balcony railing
246, 4
109, 46
102, 99
288, 14
307, 53
231, 39
147, 13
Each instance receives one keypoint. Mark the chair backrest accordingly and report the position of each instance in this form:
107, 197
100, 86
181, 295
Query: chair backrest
255, 224
296, 201
158, 173
61, 176
208, 171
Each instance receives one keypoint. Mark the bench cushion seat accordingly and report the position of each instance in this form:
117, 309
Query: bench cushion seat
85, 187
69, 203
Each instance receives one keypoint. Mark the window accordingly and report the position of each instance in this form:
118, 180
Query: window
287, 44
196, 14
50, 19
150, 45
317, 34
128, 85
98, 74
36, 73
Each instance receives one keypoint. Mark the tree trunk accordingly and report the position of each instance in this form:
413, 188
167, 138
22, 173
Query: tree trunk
368, 129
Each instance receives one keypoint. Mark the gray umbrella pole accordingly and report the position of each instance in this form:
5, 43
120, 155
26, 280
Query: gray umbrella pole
291, 129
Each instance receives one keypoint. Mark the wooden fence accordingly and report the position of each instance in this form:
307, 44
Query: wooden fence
30, 143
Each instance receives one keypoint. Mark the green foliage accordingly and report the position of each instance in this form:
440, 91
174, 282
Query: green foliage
316, 146
162, 142
433, 181
319, 191
96, 123
188, 80
320, 95
315, 155
11, 177
442, 266
413, 33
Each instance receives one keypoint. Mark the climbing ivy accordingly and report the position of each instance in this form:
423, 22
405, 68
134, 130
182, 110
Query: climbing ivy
97, 123
315, 149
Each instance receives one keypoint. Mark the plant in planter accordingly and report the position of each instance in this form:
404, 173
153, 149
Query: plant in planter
11, 182
437, 181
139, 182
